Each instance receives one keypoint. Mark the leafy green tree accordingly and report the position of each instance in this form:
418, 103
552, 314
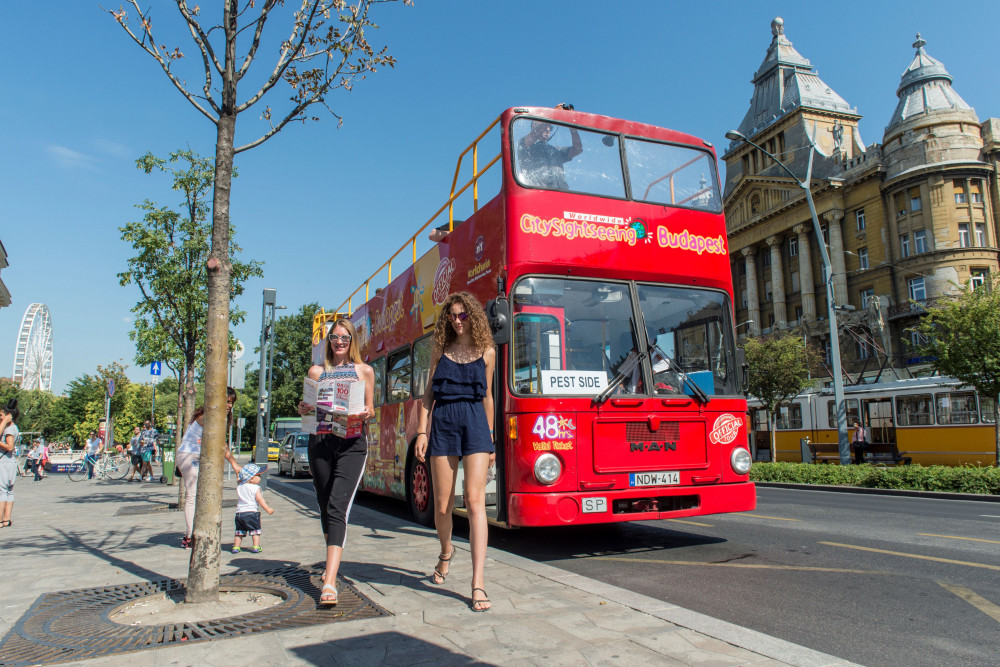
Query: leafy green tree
327, 49
170, 270
34, 405
963, 338
779, 367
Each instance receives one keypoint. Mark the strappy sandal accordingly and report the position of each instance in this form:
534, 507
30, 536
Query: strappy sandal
476, 604
443, 576
328, 602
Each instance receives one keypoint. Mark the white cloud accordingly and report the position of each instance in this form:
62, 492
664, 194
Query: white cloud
127, 320
69, 158
114, 149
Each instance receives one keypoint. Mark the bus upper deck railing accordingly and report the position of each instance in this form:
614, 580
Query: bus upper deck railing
322, 317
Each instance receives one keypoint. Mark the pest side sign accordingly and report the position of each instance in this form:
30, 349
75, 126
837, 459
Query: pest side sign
584, 383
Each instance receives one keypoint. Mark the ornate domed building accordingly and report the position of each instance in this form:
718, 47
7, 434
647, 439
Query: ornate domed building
903, 221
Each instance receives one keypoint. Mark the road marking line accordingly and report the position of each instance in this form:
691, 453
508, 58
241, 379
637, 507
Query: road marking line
980, 603
692, 523
752, 566
764, 516
956, 537
900, 553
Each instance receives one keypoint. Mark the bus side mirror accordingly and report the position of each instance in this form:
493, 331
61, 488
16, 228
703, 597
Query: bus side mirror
741, 363
498, 314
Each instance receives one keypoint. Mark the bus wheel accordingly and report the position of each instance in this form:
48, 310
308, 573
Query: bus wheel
420, 492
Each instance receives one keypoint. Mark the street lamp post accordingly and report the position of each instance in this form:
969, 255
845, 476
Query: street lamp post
838, 382
264, 383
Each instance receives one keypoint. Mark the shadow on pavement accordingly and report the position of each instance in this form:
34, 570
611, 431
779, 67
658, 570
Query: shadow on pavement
381, 648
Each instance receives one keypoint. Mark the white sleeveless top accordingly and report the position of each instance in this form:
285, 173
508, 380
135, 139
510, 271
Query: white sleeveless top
192, 439
246, 494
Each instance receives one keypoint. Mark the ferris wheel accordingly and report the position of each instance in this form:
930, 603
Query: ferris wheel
33, 356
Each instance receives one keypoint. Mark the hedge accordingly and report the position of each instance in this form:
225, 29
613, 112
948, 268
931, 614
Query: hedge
965, 479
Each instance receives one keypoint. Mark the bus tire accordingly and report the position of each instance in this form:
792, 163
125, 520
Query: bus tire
420, 491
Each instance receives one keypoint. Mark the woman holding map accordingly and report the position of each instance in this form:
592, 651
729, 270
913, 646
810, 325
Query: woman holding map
458, 404
337, 464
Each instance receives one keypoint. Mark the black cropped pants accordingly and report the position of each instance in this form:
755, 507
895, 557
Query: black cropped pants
337, 465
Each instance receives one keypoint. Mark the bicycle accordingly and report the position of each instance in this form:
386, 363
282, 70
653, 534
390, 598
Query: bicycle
106, 466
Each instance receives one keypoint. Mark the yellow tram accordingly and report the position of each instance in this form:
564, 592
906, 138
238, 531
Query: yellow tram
934, 421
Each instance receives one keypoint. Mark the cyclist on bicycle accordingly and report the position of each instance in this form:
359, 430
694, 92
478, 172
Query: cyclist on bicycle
95, 447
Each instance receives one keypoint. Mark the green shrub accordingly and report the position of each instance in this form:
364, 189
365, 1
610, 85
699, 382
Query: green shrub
964, 479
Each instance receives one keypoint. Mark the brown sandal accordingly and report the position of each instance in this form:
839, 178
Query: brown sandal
476, 603
438, 574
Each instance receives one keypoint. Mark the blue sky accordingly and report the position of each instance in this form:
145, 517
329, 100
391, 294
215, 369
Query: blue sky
322, 206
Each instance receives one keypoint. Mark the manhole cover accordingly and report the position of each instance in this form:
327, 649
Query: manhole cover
75, 625
156, 508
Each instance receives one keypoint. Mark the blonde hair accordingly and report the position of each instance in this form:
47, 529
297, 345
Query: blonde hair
353, 351
479, 326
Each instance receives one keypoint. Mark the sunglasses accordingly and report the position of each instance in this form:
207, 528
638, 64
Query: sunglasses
343, 339
458, 316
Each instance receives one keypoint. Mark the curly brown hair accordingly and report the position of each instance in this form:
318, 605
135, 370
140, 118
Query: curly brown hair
444, 334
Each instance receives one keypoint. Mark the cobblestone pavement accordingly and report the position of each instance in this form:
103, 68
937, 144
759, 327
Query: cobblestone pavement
70, 535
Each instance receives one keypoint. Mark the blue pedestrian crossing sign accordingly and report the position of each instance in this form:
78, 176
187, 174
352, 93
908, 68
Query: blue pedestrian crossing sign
154, 368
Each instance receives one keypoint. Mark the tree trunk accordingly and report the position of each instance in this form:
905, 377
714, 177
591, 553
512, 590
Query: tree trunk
203, 574
178, 436
190, 390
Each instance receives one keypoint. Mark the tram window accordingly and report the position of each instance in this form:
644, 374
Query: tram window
421, 364
853, 414
789, 417
957, 407
398, 376
378, 366
916, 410
987, 408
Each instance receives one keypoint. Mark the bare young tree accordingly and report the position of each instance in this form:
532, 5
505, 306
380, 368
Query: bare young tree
326, 50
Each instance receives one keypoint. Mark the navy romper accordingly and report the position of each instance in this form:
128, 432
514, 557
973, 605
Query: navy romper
458, 423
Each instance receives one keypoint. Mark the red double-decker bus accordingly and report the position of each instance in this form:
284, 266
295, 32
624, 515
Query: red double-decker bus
603, 264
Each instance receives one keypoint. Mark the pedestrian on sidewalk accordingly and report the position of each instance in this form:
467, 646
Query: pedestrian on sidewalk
187, 460
458, 403
859, 440
8, 464
249, 502
148, 437
135, 453
94, 448
336, 463
35, 456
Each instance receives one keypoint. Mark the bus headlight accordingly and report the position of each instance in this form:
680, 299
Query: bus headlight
740, 461
547, 469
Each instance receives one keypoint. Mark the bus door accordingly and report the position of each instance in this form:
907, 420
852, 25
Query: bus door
878, 420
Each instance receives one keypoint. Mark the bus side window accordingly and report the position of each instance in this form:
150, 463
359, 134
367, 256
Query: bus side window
422, 364
398, 376
378, 366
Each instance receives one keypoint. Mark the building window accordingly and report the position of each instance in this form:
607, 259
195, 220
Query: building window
765, 259
976, 192
959, 187
919, 241
798, 313
867, 295
979, 278
963, 235
863, 258
904, 245
793, 246
767, 290
915, 286
917, 339
795, 281
770, 320
981, 235
746, 164
914, 199
826, 235
900, 204
864, 349
859, 216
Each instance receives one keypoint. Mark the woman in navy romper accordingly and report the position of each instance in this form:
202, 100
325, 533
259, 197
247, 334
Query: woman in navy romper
458, 405
337, 464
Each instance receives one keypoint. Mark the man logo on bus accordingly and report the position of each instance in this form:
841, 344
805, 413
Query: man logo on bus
725, 429
480, 248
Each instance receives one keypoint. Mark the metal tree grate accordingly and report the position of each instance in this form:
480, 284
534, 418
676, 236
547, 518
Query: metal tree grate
75, 625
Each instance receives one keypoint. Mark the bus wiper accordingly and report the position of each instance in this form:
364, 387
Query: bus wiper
627, 366
698, 392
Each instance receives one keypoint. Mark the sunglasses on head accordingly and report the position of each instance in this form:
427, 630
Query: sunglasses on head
343, 339
458, 316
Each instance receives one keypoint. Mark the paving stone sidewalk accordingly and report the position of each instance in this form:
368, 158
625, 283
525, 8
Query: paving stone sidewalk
66, 536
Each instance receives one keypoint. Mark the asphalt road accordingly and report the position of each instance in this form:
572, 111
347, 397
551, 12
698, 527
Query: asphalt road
878, 580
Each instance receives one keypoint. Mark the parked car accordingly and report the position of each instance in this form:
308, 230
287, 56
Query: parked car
293, 456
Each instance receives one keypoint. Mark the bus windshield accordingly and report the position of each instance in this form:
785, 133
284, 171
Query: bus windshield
571, 337
552, 156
